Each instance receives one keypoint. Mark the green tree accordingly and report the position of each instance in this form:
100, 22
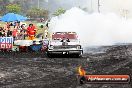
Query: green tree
3, 4
37, 13
13, 8
59, 11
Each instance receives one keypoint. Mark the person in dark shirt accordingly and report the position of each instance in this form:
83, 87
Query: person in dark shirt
9, 33
1, 32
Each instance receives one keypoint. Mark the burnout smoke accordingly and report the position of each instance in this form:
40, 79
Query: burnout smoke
94, 29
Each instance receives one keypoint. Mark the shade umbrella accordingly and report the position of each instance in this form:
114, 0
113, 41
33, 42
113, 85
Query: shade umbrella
21, 18
9, 17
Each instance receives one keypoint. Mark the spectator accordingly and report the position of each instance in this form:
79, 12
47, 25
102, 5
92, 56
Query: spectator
31, 32
17, 26
23, 31
15, 34
1, 29
22, 35
9, 33
1, 35
7, 26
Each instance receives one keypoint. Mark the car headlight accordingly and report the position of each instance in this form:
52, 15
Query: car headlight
51, 47
79, 47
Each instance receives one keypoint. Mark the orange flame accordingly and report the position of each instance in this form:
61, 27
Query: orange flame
81, 71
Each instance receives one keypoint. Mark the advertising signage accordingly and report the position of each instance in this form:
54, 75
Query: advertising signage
6, 42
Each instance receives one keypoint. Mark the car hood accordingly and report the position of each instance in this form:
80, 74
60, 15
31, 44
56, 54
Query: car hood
60, 43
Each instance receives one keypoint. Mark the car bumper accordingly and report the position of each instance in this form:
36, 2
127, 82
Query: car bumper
79, 51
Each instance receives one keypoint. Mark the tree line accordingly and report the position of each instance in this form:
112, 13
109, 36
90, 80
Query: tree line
22, 7
25, 7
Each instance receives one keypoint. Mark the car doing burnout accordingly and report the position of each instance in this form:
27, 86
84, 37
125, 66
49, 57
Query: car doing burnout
64, 43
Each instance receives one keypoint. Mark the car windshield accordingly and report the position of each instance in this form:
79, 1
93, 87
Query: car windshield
61, 35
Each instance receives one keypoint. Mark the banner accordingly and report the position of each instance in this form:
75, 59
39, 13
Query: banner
6, 42
104, 79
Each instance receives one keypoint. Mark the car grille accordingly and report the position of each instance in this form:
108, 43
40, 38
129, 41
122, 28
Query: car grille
65, 47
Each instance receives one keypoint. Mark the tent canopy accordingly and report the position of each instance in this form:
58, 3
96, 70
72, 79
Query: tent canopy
10, 17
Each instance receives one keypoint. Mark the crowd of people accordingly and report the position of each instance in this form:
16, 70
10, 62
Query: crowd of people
18, 31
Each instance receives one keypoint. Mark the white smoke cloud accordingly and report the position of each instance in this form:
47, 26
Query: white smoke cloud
94, 29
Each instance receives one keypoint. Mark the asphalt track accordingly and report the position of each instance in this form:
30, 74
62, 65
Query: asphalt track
36, 70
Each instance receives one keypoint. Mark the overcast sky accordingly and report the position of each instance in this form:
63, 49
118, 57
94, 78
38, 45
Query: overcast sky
106, 6
67, 4
120, 7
